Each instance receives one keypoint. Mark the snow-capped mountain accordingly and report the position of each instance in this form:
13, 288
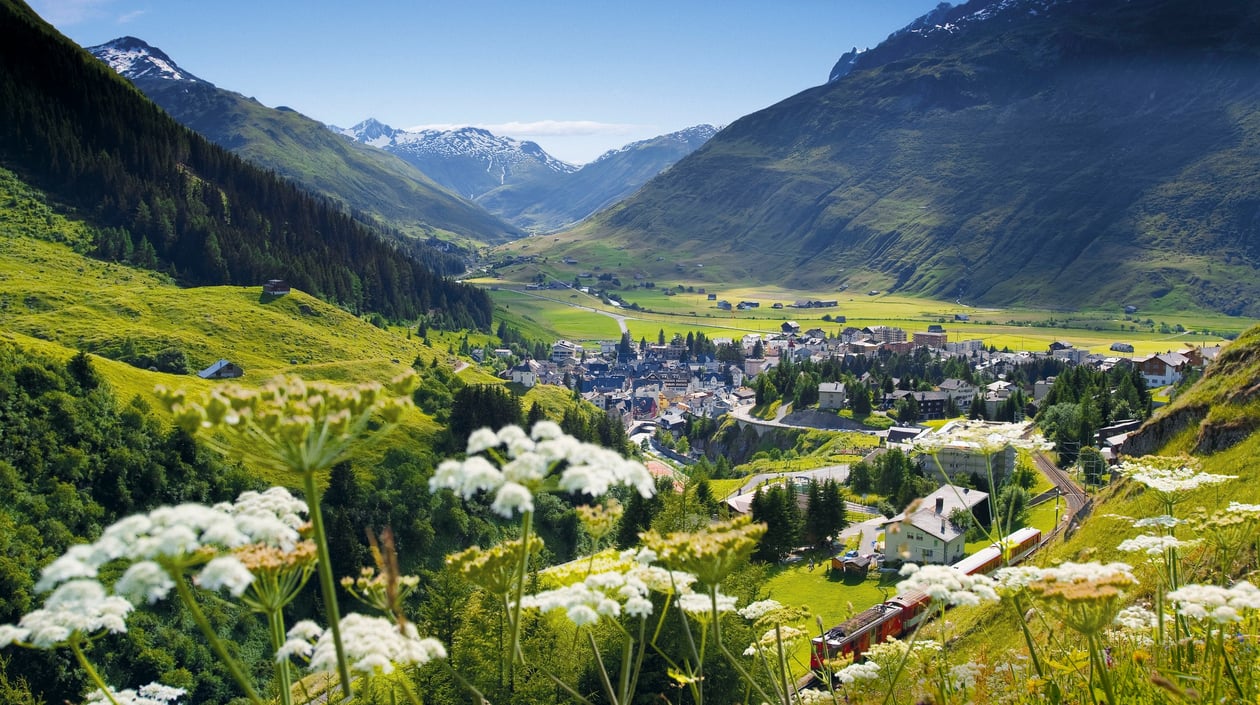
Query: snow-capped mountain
134, 60
941, 21
470, 161
560, 200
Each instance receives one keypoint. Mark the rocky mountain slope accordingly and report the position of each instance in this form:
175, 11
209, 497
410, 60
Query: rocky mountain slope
1069, 153
361, 179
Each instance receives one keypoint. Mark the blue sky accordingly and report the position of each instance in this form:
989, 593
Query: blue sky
577, 76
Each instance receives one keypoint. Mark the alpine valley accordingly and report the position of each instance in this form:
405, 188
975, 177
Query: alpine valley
256, 370
1057, 153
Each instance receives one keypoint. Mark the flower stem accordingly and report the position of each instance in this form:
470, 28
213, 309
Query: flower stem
275, 619
216, 644
91, 670
514, 616
327, 588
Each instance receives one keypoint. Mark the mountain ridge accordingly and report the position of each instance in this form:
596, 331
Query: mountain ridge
1085, 155
361, 179
518, 180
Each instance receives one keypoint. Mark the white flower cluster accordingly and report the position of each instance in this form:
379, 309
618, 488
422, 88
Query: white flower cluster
964, 675
75, 607
987, 437
756, 610
527, 465
1014, 579
372, 645
274, 517
1214, 603
1086, 572
789, 636
1249, 510
151, 694
698, 604
599, 595
1163, 521
1171, 479
1155, 546
174, 533
945, 584
1137, 619
855, 672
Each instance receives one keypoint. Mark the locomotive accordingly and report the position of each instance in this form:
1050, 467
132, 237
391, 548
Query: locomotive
902, 614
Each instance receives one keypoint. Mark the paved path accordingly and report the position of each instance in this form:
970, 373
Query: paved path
839, 473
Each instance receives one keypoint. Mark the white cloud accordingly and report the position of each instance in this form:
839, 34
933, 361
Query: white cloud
542, 128
129, 16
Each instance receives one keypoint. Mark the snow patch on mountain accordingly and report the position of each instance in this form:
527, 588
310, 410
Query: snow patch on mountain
498, 153
134, 59
694, 136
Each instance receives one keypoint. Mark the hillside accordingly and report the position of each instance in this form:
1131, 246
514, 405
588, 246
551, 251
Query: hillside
161, 196
293, 145
1057, 154
560, 199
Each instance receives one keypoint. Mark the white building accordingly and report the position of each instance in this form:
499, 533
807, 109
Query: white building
926, 535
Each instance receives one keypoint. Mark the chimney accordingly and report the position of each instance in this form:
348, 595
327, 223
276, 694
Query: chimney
940, 505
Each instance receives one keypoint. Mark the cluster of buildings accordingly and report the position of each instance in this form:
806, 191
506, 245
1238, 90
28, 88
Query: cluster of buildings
645, 383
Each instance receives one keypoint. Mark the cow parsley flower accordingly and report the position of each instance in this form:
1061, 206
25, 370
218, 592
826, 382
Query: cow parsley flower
945, 584
1137, 619
524, 465
1154, 546
1215, 603
145, 581
699, 605
756, 610
375, 645
151, 694
76, 607
225, 572
855, 672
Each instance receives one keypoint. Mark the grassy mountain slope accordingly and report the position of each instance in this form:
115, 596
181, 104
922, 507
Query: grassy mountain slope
159, 195
1092, 154
356, 176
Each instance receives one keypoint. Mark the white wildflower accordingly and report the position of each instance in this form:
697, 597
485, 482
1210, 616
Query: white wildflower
1153, 545
144, 581
943, 583
854, 672
1215, 603
1164, 521
511, 498
76, 606
789, 635
151, 694
699, 605
529, 468
305, 629
77, 562
964, 675
1137, 619
10, 634
374, 644
225, 572
481, 439
756, 610
1015, 579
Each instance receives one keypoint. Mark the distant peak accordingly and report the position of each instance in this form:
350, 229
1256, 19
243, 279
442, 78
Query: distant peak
134, 59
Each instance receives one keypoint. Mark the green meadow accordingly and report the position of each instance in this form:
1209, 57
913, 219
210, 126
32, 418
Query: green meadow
564, 313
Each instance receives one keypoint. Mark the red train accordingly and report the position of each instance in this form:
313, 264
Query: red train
901, 614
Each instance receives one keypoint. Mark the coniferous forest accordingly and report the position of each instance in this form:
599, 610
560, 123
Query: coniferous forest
165, 198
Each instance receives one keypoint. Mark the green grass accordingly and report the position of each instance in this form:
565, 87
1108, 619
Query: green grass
551, 314
831, 596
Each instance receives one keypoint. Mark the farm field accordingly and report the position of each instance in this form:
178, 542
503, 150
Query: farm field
557, 313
